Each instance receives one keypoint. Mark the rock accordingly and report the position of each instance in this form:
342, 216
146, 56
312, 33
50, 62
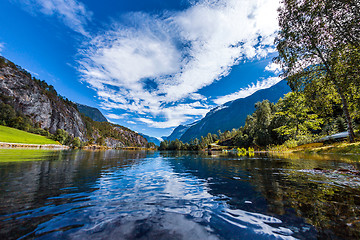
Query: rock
51, 112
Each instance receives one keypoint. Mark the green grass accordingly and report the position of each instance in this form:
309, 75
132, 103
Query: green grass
343, 147
12, 135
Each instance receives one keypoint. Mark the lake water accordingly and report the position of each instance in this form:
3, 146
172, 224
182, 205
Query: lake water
153, 195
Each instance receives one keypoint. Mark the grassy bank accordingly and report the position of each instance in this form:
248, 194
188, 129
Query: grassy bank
341, 148
12, 135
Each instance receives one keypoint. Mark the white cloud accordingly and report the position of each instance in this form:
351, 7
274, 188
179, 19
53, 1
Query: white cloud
2, 46
71, 12
273, 67
156, 61
176, 115
245, 92
115, 116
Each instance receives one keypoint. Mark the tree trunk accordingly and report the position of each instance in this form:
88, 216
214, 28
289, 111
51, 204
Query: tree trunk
347, 117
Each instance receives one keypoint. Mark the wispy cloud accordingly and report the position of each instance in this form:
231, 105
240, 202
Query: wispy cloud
151, 62
273, 67
2, 46
115, 116
245, 92
71, 12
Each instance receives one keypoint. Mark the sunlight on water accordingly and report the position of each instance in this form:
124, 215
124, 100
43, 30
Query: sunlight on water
140, 195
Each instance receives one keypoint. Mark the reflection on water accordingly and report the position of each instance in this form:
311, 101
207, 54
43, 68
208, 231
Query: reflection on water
150, 195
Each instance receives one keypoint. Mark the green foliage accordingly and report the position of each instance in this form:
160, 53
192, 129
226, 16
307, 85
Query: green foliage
318, 45
100, 141
298, 119
151, 145
194, 145
7, 113
61, 136
76, 143
105, 129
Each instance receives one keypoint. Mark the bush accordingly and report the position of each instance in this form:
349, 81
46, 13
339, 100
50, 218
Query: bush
61, 136
76, 143
290, 143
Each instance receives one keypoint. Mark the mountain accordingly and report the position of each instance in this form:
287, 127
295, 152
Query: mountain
233, 114
91, 112
28, 104
179, 131
151, 139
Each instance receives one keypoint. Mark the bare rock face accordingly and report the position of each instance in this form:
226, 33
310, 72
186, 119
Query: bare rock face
48, 111
113, 143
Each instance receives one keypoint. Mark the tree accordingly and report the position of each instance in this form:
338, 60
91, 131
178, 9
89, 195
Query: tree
298, 117
76, 143
262, 120
164, 145
61, 136
319, 41
7, 113
100, 141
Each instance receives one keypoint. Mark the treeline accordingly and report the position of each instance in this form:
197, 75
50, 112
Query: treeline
289, 122
194, 145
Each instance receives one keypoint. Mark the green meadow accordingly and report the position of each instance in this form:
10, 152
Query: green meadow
12, 135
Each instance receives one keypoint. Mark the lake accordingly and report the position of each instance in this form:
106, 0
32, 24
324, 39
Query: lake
155, 195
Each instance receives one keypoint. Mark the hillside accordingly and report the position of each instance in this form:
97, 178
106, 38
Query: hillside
38, 101
179, 131
151, 139
233, 114
91, 112
12, 135
31, 104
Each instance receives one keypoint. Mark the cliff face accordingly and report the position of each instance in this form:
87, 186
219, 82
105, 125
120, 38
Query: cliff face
46, 109
26, 96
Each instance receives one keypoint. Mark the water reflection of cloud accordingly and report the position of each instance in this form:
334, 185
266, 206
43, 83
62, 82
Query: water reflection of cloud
150, 200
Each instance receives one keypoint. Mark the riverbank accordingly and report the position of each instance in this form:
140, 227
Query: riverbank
4, 145
339, 148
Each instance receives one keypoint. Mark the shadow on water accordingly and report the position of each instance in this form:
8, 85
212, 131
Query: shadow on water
322, 189
169, 195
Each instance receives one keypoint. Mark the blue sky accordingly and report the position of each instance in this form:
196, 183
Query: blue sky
149, 65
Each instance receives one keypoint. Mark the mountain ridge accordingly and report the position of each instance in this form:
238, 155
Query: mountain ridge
91, 112
233, 114
179, 131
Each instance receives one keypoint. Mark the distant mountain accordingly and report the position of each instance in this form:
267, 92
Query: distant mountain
179, 131
151, 139
91, 112
233, 114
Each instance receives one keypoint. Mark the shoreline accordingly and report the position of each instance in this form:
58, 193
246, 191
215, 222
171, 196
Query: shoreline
5, 145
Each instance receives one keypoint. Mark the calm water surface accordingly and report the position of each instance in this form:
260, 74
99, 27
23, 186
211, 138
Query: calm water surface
152, 195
